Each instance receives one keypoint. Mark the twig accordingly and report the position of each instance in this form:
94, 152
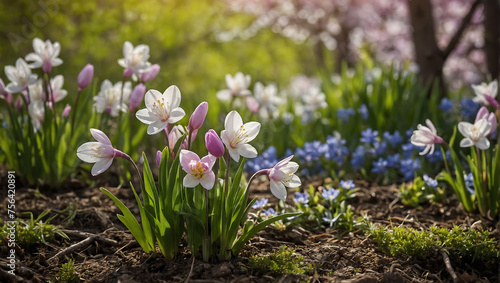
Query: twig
456, 37
72, 248
84, 235
449, 268
128, 244
190, 271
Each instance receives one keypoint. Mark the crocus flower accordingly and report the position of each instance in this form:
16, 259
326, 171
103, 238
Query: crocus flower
150, 74
214, 144
136, 96
135, 59
260, 203
252, 104
110, 98
236, 86
475, 134
174, 135
486, 93
314, 100
199, 171
490, 117
85, 76
267, 98
198, 116
301, 198
36, 110
237, 135
20, 76
45, 55
161, 109
36, 91
426, 136
4, 93
330, 194
66, 111
283, 174
56, 85
101, 152
349, 184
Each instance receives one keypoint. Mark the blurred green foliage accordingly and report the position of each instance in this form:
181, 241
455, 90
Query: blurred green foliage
181, 35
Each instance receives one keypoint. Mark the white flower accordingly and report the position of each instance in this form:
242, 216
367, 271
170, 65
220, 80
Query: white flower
486, 93
426, 136
314, 100
236, 135
45, 55
283, 174
56, 85
237, 86
475, 134
268, 99
36, 109
36, 91
161, 109
136, 59
110, 100
20, 76
199, 171
101, 152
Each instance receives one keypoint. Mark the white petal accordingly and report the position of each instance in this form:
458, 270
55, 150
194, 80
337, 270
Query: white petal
246, 150
101, 166
278, 189
146, 116
156, 127
252, 129
233, 153
122, 63
208, 180
466, 142
426, 149
176, 115
294, 182
38, 44
190, 181
9, 72
233, 121
465, 128
151, 97
483, 144
100, 136
173, 96
86, 154
128, 48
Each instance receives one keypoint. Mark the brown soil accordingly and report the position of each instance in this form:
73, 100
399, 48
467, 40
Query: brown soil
335, 256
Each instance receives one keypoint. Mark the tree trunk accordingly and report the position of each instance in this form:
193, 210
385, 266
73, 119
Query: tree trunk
492, 36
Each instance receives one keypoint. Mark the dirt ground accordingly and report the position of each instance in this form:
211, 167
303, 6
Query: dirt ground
335, 257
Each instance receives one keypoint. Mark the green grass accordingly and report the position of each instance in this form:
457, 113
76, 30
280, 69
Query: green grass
283, 261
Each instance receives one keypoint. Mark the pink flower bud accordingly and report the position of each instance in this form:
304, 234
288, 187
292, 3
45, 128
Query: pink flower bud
47, 66
128, 72
137, 96
66, 111
214, 144
198, 116
483, 113
8, 98
158, 157
150, 74
85, 76
252, 104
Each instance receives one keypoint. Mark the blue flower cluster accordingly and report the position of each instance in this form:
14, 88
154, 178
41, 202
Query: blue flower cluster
266, 160
468, 108
345, 114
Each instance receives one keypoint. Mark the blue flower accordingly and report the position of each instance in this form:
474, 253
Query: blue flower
358, 157
330, 220
369, 136
408, 168
469, 183
379, 148
347, 185
260, 203
335, 149
468, 108
393, 160
379, 166
363, 111
436, 156
394, 139
301, 198
269, 213
446, 105
409, 133
344, 114
330, 194
408, 149
430, 182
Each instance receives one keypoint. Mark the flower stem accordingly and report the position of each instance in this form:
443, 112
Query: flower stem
227, 158
73, 115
